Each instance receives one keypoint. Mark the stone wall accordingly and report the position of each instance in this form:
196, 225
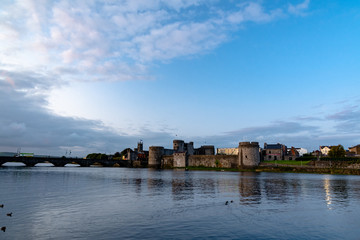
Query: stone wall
224, 161
180, 160
167, 161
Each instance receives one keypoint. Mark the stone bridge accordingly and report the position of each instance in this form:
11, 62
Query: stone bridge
61, 162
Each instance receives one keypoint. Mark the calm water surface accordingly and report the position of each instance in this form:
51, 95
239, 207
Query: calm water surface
123, 203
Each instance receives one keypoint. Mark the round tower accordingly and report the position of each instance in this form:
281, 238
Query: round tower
249, 154
155, 156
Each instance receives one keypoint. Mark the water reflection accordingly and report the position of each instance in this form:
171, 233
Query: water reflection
328, 197
336, 192
207, 186
182, 189
276, 190
249, 188
155, 182
182, 185
83, 203
137, 182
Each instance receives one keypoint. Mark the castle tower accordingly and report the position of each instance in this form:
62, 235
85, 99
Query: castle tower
190, 148
140, 146
249, 154
155, 156
179, 145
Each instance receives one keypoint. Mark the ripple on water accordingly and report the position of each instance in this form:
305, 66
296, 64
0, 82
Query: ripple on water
113, 203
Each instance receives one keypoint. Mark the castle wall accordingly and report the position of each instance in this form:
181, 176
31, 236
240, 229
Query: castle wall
167, 161
248, 156
224, 161
179, 160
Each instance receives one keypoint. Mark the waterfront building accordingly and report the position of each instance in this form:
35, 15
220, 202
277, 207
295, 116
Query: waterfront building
274, 152
301, 151
291, 154
324, 150
355, 150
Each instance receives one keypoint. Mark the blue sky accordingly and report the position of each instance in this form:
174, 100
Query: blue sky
97, 76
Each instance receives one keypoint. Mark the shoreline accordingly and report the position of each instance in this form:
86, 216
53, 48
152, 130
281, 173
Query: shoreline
282, 169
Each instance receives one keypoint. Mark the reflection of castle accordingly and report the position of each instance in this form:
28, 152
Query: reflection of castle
249, 188
184, 155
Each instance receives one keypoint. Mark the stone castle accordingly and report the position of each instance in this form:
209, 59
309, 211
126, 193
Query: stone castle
185, 155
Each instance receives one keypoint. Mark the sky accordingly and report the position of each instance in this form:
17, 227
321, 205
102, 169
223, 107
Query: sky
98, 76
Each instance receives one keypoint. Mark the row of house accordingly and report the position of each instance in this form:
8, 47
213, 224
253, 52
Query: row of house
270, 152
352, 152
279, 151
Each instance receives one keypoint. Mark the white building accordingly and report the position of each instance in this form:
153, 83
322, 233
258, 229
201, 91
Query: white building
325, 150
301, 151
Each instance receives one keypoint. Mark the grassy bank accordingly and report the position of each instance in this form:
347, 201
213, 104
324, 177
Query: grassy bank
292, 168
339, 171
201, 168
289, 162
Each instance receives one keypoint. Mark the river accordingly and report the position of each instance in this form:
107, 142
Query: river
126, 203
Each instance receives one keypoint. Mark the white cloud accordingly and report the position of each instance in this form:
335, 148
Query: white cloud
299, 8
253, 12
175, 40
85, 34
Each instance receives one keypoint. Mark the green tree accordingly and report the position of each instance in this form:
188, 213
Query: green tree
91, 156
98, 156
337, 151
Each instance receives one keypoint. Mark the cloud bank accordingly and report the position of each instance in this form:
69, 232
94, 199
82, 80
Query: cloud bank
117, 40
46, 44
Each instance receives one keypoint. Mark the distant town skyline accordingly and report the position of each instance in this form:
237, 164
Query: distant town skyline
97, 76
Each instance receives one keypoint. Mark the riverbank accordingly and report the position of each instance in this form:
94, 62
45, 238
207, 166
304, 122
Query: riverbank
317, 167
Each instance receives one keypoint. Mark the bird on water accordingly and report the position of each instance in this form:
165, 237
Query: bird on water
3, 229
9, 214
1, 205
227, 202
